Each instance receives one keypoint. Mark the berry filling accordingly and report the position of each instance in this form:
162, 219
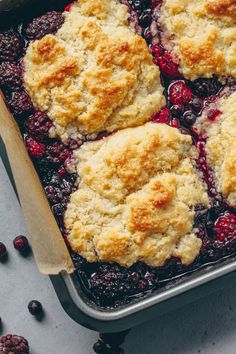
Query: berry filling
45, 24
111, 284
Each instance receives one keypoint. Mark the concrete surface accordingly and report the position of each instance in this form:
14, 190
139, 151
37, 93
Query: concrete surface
207, 326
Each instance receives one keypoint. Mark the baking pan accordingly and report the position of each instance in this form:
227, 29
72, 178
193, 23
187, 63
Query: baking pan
176, 293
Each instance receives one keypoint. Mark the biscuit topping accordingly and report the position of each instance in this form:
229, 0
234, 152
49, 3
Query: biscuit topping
221, 145
95, 74
203, 36
136, 198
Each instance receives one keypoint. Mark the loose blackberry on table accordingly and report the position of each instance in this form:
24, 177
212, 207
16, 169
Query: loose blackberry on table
13, 344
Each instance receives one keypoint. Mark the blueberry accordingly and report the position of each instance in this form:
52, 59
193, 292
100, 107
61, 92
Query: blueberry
196, 105
135, 277
147, 34
145, 19
114, 339
21, 243
189, 118
142, 284
100, 348
3, 250
176, 110
35, 308
137, 5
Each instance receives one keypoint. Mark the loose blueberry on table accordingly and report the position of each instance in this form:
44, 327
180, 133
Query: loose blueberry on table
35, 308
3, 250
111, 284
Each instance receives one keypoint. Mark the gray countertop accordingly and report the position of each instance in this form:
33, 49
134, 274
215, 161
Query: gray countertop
207, 326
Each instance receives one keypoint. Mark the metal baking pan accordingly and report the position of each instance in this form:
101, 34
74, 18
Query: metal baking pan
176, 293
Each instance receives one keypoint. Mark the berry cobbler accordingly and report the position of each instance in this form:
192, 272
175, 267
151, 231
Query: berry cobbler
128, 111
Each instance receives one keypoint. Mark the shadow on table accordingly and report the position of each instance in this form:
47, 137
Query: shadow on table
196, 328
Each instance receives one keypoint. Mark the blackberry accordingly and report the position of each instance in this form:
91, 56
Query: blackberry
59, 209
20, 103
57, 152
10, 76
206, 87
11, 45
13, 344
38, 125
78, 261
54, 194
45, 24
109, 283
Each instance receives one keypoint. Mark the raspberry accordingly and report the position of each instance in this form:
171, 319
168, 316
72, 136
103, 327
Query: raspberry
167, 66
212, 114
45, 24
225, 227
68, 7
179, 93
163, 58
20, 103
13, 344
10, 76
11, 45
175, 123
162, 117
206, 87
35, 148
38, 125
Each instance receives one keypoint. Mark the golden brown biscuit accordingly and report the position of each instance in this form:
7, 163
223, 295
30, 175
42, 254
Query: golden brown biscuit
95, 74
221, 145
136, 198
203, 36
